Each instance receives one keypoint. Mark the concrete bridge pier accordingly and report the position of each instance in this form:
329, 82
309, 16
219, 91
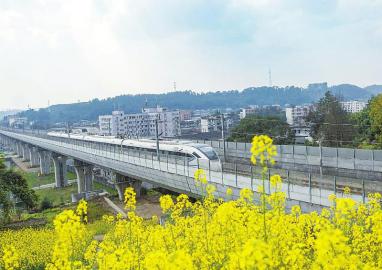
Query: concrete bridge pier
122, 182
44, 159
14, 147
85, 176
10, 144
34, 158
25, 152
60, 170
3, 141
19, 149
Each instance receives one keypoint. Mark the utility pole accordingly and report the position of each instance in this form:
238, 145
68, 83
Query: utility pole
109, 127
157, 137
320, 147
223, 135
68, 129
270, 77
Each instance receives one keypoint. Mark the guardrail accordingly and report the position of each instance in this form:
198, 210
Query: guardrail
177, 173
344, 158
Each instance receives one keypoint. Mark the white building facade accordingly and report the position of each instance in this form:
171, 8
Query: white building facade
15, 121
296, 115
141, 125
251, 110
353, 106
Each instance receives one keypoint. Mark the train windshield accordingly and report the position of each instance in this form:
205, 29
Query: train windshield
209, 152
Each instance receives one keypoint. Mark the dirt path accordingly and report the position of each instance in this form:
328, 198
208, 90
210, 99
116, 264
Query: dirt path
147, 206
24, 165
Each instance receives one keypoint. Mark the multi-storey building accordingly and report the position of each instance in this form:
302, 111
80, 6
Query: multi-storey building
296, 115
248, 111
15, 121
213, 123
185, 115
296, 119
141, 124
353, 106
109, 124
210, 123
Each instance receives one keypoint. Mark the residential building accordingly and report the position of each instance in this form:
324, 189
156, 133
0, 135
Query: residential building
185, 115
296, 115
248, 111
141, 124
15, 121
210, 123
191, 126
353, 106
301, 134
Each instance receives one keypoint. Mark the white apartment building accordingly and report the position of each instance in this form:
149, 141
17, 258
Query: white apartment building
353, 106
211, 123
15, 121
141, 124
248, 111
296, 115
108, 124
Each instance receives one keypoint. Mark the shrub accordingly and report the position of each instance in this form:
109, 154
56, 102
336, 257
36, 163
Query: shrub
46, 203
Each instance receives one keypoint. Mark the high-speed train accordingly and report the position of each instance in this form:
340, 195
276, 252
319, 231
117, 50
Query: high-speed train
195, 153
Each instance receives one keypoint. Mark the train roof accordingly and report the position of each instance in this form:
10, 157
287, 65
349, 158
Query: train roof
176, 145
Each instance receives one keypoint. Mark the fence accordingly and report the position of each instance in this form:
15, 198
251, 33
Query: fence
175, 172
342, 158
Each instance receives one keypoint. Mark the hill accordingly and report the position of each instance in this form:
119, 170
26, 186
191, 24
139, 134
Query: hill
192, 100
7, 112
374, 89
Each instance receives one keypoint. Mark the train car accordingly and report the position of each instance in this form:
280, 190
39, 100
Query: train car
195, 153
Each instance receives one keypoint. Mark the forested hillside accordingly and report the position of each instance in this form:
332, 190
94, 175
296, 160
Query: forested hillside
191, 100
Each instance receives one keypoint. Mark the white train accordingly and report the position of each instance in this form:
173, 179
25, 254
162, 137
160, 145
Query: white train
196, 154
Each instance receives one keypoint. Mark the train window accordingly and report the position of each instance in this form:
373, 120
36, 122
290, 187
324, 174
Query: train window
196, 155
209, 152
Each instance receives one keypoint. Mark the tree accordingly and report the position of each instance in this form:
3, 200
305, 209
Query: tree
365, 136
12, 184
272, 126
329, 123
375, 113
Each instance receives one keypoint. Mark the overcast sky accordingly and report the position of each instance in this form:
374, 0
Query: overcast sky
69, 50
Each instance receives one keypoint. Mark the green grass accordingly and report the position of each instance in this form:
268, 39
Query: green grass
96, 210
34, 180
71, 175
111, 191
48, 214
57, 196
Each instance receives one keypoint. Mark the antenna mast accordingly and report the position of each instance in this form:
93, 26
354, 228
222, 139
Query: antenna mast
270, 77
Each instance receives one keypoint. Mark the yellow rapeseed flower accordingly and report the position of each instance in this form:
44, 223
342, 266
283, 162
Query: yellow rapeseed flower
263, 150
130, 200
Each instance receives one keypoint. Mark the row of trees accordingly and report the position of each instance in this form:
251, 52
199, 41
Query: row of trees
274, 126
332, 126
329, 125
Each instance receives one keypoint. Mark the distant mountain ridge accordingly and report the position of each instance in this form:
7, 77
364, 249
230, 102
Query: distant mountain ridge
191, 100
374, 89
8, 112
